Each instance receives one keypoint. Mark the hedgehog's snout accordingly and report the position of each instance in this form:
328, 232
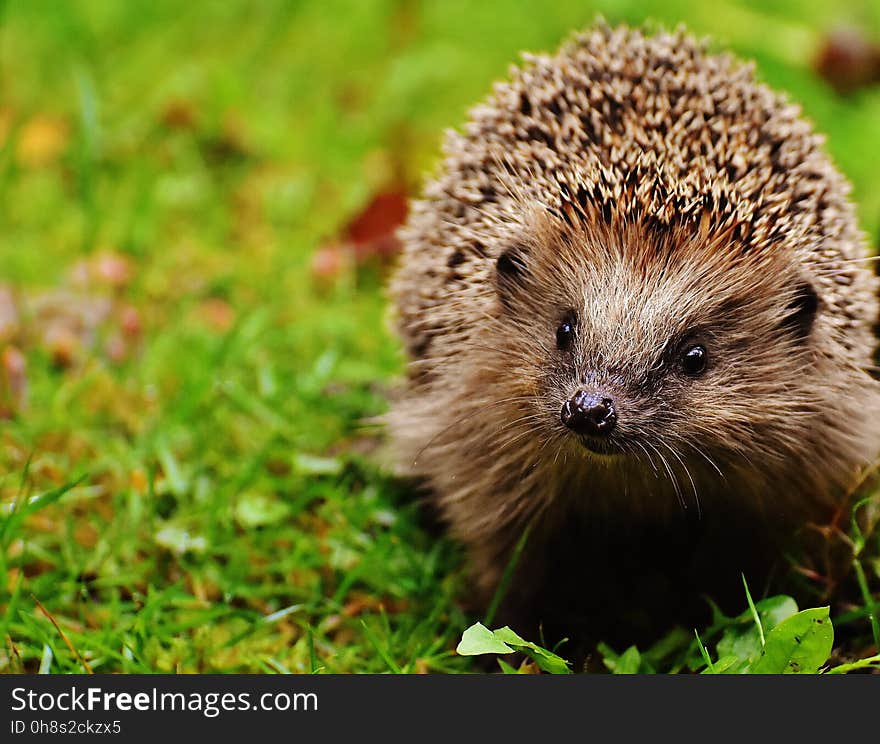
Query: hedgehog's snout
589, 413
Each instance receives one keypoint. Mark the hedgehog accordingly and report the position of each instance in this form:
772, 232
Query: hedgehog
639, 316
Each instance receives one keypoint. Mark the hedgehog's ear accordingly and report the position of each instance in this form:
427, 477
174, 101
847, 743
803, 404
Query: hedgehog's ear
802, 309
511, 270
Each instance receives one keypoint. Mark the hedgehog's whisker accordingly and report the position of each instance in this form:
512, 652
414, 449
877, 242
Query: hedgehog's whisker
672, 477
860, 260
706, 457
551, 438
439, 434
650, 459
688, 474
462, 418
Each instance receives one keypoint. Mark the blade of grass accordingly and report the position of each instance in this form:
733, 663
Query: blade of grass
313, 660
868, 598
12, 606
19, 663
374, 642
859, 543
754, 611
34, 505
507, 576
46, 660
704, 653
64, 638
867, 663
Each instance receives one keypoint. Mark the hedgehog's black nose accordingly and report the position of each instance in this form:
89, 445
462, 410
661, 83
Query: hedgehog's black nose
589, 413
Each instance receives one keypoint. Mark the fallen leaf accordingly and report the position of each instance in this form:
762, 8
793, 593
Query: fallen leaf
138, 480
112, 269
130, 322
259, 510
41, 141
378, 219
278, 467
372, 233
179, 114
179, 540
85, 534
368, 237
79, 273
9, 320
116, 348
361, 602
13, 576
848, 60
15, 378
62, 343
229, 145
330, 262
217, 314
105, 269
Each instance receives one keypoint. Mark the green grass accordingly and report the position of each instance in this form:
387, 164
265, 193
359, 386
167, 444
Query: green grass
200, 493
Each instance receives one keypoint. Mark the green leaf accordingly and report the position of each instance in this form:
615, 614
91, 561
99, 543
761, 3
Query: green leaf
742, 638
258, 510
478, 639
629, 662
668, 649
798, 645
180, 540
314, 465
506, 668
726, 665
546, 660
609, 656
774, 610
506, 635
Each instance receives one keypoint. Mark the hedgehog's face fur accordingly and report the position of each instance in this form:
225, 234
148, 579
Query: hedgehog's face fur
635, 256
660, 345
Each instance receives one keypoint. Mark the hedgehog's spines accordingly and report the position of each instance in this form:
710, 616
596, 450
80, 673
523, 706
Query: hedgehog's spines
661, 191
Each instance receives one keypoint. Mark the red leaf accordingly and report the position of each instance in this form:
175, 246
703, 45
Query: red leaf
848, 60
379, 219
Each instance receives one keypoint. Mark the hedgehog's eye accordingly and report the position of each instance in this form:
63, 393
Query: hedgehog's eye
565, 332
693, 359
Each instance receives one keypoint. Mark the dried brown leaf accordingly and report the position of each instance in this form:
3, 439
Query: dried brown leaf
179, 114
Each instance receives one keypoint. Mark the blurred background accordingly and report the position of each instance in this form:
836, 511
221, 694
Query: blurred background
197, 214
